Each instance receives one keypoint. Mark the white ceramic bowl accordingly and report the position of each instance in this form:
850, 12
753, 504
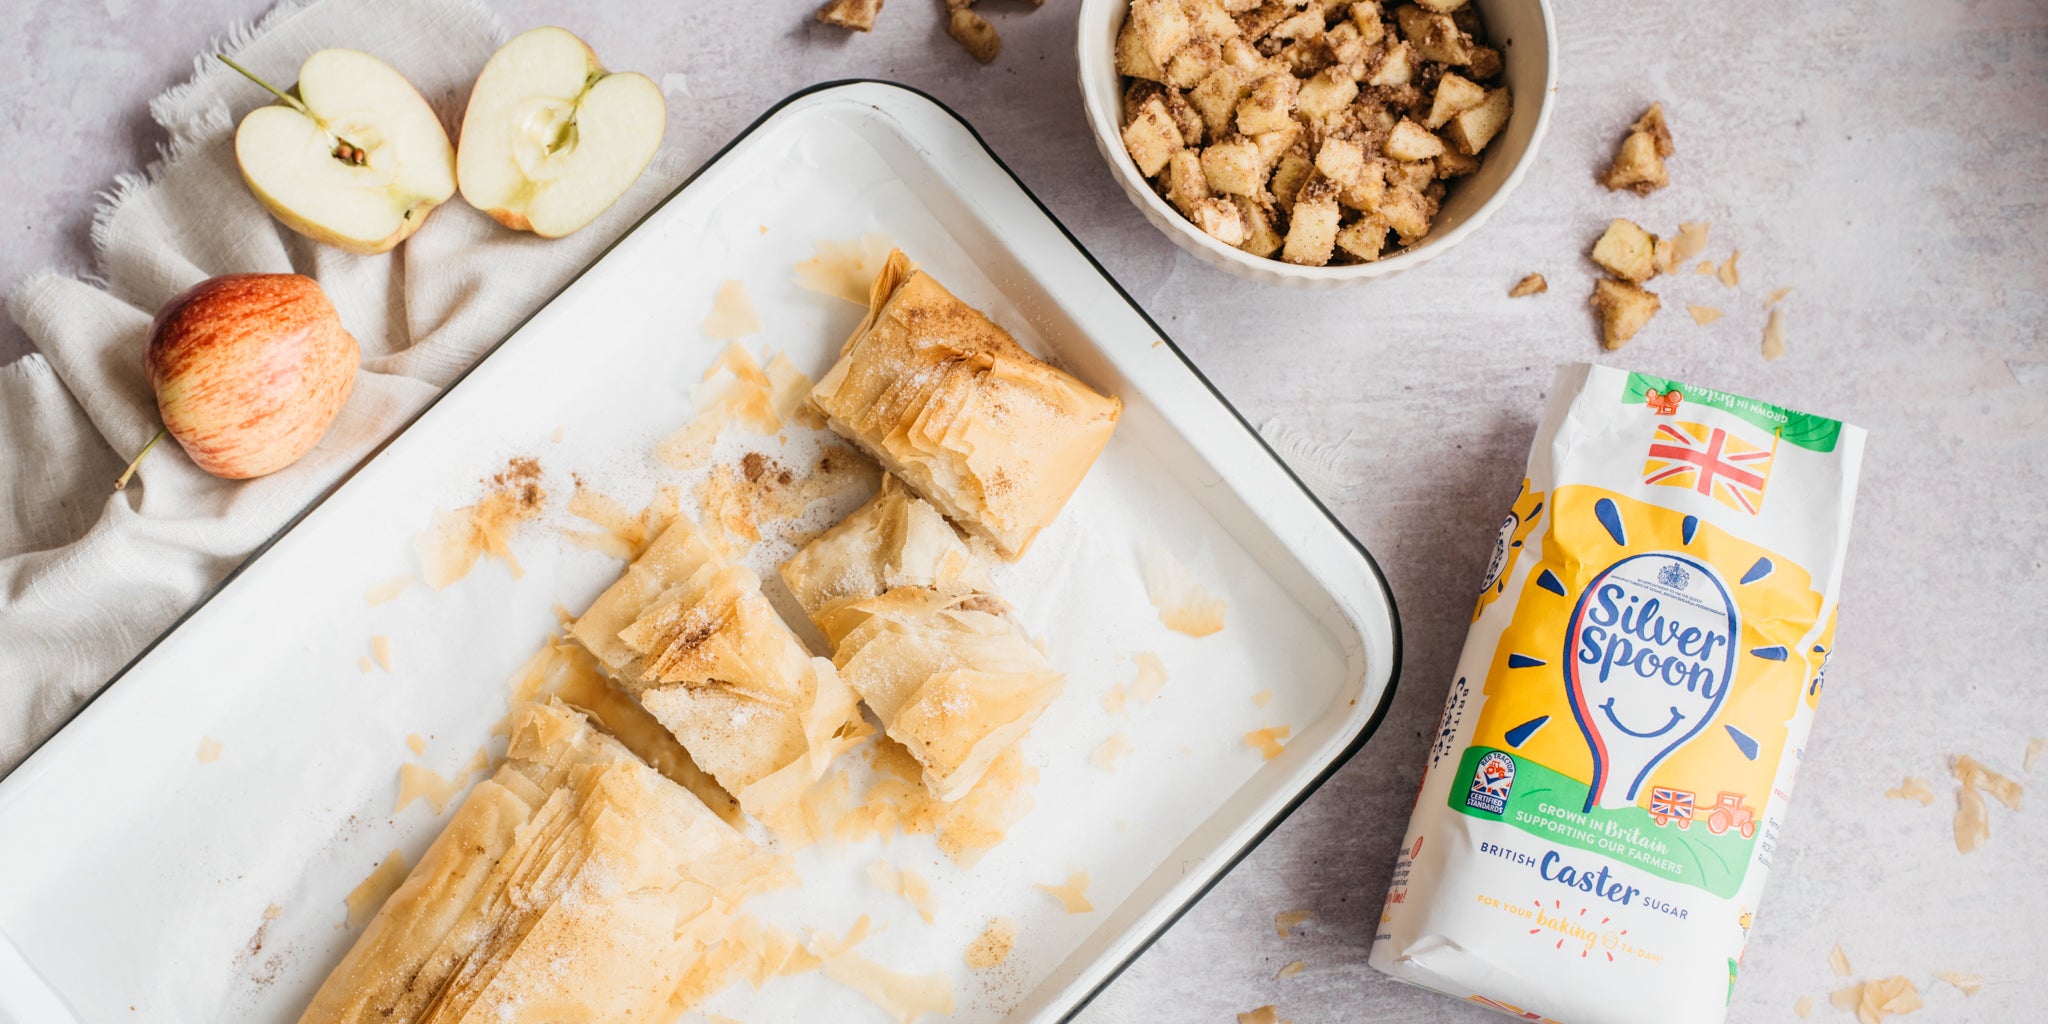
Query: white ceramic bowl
1524, 33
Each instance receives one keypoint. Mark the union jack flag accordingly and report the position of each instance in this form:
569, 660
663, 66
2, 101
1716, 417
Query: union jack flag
1668, 805
1709, 460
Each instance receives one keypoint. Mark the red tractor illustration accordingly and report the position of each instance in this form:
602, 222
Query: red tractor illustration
1730, 812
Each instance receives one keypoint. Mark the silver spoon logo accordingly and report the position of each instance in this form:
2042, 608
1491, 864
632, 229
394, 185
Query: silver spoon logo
1649, 656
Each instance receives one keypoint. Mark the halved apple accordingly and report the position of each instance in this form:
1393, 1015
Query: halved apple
551, 139
355, 159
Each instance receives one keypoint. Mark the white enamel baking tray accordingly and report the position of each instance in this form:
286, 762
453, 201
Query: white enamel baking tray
134, 878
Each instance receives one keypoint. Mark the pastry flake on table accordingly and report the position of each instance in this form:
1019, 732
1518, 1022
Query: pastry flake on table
990, 434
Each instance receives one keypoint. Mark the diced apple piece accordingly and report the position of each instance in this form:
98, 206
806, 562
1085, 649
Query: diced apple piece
1442, 6
1411, 141
550, 139
1371, 189
1270, 105
974, 33
1219, 218
1453, 164
1306, 23
1624, 308
1434, 36
1341, 161
1162, 28
1395, 67
1455, 94
858, 15
1151, 137
1292, 173
1247, 59
1272, 144
1216, 99
1236, 7
1653, 123
1233, 167
1407, 211
1312, 229
1253, 25
1210, 19
1132, 59
1186, 184
1366, 15
1485, 63
1639, 165
1627, 251
1193, 63
1260, 238
1364, 238
1184, 115
1415, 174
1347, 45
1473, 129
1325, 95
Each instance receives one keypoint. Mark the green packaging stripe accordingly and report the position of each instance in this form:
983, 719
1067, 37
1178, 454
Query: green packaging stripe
1814, 433
1546, 804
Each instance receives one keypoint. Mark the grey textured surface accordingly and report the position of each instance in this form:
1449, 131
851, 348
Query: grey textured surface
1888, 161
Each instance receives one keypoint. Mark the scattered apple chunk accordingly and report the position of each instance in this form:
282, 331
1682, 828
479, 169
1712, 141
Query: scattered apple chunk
1624, 308
551, 139
1639, 164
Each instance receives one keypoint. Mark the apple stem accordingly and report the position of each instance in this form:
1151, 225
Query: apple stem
344, 150
122, 483
289, 100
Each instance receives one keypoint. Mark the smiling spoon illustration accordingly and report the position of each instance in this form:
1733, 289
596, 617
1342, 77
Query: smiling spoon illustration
1649, 654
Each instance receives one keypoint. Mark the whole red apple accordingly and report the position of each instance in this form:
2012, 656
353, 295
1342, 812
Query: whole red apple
249, 370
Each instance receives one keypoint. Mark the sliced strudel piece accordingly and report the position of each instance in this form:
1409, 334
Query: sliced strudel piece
905, 604
691, 637
574, 884
941, 396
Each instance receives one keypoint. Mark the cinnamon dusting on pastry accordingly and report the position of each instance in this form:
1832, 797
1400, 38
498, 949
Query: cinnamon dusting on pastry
371, 892
459, 537
993, 945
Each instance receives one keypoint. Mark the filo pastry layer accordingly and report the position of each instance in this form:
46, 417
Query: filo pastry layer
993, 436
575, 884
904, 602
691, 637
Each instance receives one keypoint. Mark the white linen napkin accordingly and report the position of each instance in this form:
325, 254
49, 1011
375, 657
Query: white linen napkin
89, 576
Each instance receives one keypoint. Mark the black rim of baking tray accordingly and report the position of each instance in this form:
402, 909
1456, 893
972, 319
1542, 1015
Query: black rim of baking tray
1372, 724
